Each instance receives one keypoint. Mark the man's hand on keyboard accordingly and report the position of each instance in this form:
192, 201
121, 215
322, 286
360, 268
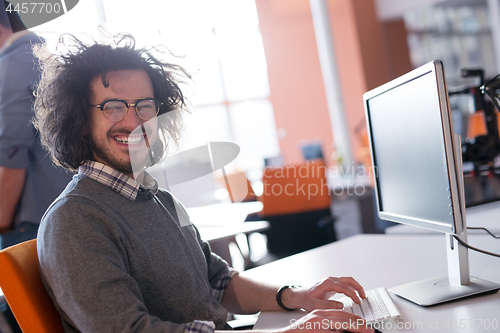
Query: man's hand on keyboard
328, 320
316, 297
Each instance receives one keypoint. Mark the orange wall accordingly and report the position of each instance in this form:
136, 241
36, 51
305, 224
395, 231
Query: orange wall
360, 55
296, 83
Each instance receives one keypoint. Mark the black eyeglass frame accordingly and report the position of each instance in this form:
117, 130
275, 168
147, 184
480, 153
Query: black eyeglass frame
128, 105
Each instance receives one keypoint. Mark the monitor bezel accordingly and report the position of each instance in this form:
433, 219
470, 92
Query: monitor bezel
453, 157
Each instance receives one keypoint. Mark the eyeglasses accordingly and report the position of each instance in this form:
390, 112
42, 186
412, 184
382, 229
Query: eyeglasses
116, 109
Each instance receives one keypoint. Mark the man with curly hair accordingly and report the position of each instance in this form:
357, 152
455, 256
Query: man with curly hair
116, 253
29, 182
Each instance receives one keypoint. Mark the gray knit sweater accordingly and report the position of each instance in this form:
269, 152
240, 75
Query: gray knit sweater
115, 265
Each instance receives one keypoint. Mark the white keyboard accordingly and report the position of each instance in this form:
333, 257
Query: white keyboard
378, 306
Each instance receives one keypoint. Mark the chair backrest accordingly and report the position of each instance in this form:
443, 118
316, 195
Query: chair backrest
24, 291
239, 185
295, 189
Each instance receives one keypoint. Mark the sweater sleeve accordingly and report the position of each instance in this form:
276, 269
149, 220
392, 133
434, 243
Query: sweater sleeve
219, 272
17, 135
84, 256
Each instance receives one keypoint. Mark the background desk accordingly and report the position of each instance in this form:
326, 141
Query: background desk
487, 216
387, 261
220, 223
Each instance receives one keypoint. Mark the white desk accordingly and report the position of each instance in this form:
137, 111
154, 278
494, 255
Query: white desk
387, 261
487, 216
221, 233
223, 214
220, 223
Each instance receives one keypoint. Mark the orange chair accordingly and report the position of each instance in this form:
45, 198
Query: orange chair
295, 188
296, 201
239, 185
24, 291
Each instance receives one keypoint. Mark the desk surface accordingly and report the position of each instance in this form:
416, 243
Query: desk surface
212, 233
223, 214
487, 216
387, 261
220, 223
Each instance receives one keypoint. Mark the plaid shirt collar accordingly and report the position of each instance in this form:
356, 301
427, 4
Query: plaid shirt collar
116, 180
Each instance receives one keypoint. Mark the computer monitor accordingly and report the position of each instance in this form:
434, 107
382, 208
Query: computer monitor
312, 151
417, 167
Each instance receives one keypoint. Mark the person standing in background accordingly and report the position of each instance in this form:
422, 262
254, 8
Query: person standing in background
29, 181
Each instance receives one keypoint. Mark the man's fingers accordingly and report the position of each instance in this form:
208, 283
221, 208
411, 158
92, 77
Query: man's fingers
328, 304
330, 313
347, 286
336, 320
354, 284
344, 289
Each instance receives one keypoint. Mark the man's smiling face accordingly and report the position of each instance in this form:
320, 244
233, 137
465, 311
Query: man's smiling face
113, 143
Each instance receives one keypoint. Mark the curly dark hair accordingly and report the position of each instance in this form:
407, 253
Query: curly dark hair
63, 95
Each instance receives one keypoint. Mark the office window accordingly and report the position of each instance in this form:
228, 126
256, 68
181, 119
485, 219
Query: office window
219, 43
251, 121
83, 17
205, 124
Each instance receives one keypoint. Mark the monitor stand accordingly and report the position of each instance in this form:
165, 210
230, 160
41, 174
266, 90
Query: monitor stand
458, 283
